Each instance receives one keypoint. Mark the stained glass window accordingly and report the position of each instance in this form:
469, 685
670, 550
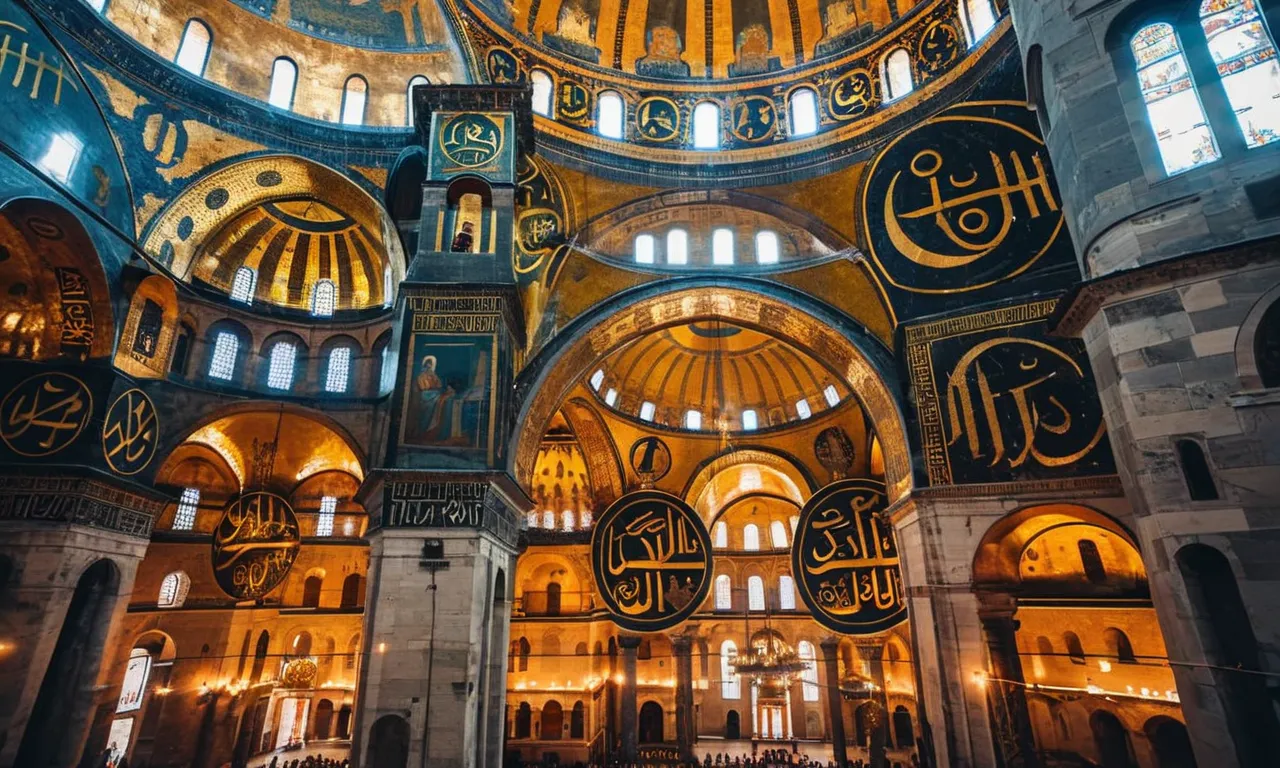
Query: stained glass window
786, 593
324, 522
541, 82
1245, 54
280, 372
339, 374
1173, 106
222, 365
243, 284
724, 593
193, 51
284, 78
185, 518
323, 298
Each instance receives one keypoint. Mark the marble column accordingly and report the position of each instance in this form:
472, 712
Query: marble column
683, 646
878, 738
627, 711
835, 700
1006, 685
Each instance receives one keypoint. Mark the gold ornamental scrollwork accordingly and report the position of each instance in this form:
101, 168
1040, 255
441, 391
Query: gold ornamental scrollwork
254, 545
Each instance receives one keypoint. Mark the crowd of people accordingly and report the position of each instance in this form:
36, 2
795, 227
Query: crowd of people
312, 761
769, 758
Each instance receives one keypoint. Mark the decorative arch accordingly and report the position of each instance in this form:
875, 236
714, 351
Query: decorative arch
146, 344
850, 353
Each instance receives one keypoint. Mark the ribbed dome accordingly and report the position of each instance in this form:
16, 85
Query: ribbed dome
719, 371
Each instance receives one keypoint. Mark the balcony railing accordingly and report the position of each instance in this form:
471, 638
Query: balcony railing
550, 603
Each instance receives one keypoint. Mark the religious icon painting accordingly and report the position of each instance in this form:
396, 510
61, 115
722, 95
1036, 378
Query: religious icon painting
651, 558
845, 559
44, 414
254, 545
448, 397
999, 400
130, 433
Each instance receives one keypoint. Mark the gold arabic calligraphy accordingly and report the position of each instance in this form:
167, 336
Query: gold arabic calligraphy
255, 545
130, 433
44, 414
471, 140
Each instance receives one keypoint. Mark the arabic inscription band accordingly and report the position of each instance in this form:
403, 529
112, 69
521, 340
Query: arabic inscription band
845, 560
651, 558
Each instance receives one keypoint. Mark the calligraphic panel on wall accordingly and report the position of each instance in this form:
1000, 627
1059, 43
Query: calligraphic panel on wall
476, 143
254, 545
942, 215
651, 558
999, 400
130, 432
44, 414
845, 559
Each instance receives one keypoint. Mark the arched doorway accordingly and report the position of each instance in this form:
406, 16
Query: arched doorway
576, 721
64, 697
732, 725
553, 599
524, 721
1111, 740
552, 721
389, 742
903, 734
323, 719
650, 731
1170, 743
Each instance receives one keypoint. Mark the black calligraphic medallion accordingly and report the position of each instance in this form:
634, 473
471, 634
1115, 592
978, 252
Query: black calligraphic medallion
650, 459
471, 140
845, 559
130, 432
502, 65
657, 119
947, 216
45, 414
852, 95
254, 545
651, 557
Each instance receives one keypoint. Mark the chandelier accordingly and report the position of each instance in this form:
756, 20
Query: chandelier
769, 662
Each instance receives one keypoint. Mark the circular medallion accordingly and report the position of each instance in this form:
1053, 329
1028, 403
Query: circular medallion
845, 560
45, 414
939, 47
852, 95
651, 557
130, 432
471, 140
573, 103
754, 118
300, 673
834, 450
657, 119
650, 459
502, 65
270, 179
942, 220
254, 545
216, 198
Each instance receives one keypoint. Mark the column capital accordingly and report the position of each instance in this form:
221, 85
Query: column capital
682, 643
629, 642
870, 652
995, 604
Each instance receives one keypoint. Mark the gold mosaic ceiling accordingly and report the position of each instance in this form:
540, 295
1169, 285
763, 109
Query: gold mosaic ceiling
719, 370
702, 38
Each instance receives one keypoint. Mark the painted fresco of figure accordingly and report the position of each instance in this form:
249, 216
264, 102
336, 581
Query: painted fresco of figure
449, 406
435, 401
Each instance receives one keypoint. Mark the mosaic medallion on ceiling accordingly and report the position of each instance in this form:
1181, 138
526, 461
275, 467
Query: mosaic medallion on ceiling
651, 558
845, 559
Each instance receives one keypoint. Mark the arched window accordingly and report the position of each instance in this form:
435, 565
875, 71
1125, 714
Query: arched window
569, 521
786, 593
284, 81
388, 287
730, 683
750, 420
1177, 118
611, 397
337, 379
722, 246
831, 395
751, 538
1195, 471
1245, 53
778, 534
386, 370
243, 285
173, 590
1074, 649
354, 96
724, 593
1118, 646
323, 298
414, 82
597, 379
978, 17
280, 373
542, 90
1043, 646
352, 591
809, 677
766, 247
184, 519
524, 718
803, 410
609, 115
693, 420
524, 651
706, 126
324, 520
193, 51
677, 247
803, 108
895, 74
755, 594
648, 410
549, 520
1091, 560
644, 249
720, 535
310, 598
